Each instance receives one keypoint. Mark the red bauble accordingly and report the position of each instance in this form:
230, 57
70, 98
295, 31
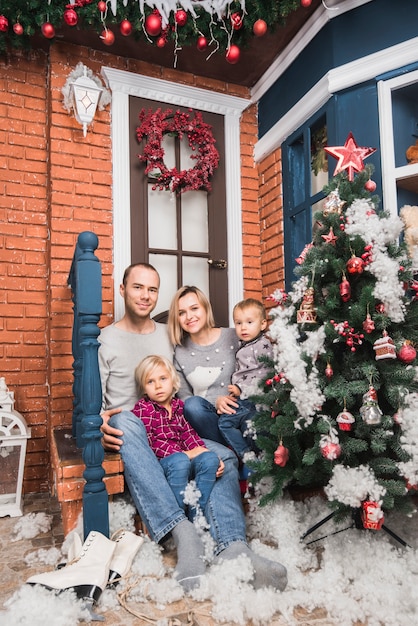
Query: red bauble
18, 29
48, 30
107, 37
331, 451
281, 456
161, 41
407, 353
70, 17
345, 290
305, 3
125, 28
233, 54
181, 17
153, 24
236, 21
368, 324
329, 372
259, 28
101, 6
355, 265
4, 24
370, 185
202, 43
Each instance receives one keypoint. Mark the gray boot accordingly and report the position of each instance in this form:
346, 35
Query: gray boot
87, 575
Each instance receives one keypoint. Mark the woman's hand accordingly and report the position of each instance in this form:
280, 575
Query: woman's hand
111, 436
226, 404
220, 469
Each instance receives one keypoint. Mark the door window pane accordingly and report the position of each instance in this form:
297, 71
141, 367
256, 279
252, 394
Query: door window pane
169, 146
196, 272
162, 227
194, 221
166, 266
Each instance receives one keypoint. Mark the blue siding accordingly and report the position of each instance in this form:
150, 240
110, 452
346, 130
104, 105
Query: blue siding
357, 33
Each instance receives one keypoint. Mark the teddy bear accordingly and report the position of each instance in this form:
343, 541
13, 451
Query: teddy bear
412, 153
409, 216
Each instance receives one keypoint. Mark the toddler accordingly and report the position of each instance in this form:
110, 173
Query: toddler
181, 452
250, 322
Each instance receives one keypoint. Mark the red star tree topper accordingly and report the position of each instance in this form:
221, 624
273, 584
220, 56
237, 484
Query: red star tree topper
350, 156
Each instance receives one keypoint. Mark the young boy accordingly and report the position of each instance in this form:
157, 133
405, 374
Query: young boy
250, 322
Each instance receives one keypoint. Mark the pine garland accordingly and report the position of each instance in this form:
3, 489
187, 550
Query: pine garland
204, 19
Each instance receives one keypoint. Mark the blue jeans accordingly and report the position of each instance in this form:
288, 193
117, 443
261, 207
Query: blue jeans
179, 469
233, 428
154, 499
202, 415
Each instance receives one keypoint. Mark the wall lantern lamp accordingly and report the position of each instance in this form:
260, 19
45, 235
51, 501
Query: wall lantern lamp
84, 93
14, 434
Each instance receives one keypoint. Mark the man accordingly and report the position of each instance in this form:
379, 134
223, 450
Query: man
123, 345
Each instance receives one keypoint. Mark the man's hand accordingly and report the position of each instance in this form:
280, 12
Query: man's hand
226, 404
111, 436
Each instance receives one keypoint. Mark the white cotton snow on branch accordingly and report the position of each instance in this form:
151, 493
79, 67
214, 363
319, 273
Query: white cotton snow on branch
352, 485
380, 232
409, 438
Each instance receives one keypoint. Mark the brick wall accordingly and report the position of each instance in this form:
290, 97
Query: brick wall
55, 184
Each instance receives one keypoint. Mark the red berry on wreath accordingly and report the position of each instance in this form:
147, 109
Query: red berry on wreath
107, 37
233, 54
181, 17
125, 28
48, 30
101, 6
18, 29
370, 185
259, 28
153, 24
202, 43
407, 352
4, 24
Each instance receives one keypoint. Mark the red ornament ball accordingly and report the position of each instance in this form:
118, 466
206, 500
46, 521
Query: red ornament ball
18, 29
407, 353
101, 6
202, 43
236, 21
48, 30
107, 37
125, 28
181, 17
233, 54
329, 372
370, 185
355, 265
4, 24
345, 290
161, 42
70, 17
153, 24
331, 451
259, 28
305, 3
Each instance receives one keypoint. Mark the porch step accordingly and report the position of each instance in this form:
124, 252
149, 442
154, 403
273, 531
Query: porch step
68, 468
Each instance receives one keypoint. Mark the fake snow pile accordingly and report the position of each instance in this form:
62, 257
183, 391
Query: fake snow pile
355, 575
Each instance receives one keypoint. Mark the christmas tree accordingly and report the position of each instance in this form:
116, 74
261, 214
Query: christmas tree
340, 410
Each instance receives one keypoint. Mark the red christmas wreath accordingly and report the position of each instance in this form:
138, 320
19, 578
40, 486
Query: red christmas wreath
154, 125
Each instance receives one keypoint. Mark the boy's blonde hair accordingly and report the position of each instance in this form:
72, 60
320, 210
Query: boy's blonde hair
145, 368
249, 302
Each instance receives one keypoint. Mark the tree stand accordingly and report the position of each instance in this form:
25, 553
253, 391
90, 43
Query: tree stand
356, 523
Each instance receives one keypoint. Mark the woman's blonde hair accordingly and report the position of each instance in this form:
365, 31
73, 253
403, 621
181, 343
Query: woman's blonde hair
176, 332
145, 368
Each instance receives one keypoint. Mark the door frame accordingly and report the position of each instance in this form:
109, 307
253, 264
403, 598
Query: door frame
124, 84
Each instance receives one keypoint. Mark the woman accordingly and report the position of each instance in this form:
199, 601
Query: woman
204, 357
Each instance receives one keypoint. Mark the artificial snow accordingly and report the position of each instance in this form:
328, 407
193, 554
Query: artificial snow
352, 574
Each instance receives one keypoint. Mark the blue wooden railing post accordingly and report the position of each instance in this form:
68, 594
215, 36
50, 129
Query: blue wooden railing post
85, 280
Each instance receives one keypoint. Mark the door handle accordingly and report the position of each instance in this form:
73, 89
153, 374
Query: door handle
219, 264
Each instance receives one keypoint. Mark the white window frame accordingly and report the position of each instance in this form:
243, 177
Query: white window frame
124, 84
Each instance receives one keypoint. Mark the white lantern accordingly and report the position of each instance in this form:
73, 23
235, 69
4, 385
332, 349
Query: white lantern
14, 434
86, 94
